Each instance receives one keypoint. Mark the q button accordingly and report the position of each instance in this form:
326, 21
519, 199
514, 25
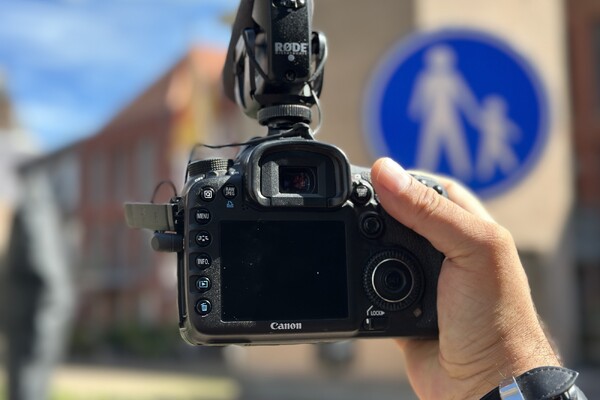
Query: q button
203, 238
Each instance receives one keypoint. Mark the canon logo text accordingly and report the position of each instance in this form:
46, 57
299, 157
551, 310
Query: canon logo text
294, 326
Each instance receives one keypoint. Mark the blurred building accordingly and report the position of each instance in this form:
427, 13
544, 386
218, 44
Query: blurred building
584, 43
554, 213
121, 282
121, 279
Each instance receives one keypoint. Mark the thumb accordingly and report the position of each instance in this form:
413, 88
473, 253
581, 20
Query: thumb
450, 228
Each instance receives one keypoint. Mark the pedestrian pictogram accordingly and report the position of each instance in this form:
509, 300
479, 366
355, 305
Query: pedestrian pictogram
461, 103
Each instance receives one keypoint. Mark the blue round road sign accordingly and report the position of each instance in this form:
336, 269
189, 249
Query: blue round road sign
462, 103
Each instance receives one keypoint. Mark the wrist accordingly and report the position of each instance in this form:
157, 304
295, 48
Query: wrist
542, 383
516, 356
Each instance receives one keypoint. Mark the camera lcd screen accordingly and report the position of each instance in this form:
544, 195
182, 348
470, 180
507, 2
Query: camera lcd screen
283, 270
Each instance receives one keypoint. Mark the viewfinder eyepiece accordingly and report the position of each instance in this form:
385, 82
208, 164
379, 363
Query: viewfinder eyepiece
297, 180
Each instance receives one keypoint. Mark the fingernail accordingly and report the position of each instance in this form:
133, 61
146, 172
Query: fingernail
392, 176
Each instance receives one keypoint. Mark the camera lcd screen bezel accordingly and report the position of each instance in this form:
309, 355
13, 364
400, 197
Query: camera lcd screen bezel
215, 330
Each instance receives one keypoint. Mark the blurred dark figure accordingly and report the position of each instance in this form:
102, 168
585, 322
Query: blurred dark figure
36, 292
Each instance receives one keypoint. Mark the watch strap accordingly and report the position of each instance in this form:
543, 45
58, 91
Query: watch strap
542, 383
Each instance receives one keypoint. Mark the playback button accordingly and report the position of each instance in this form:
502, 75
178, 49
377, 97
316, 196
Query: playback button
202, 284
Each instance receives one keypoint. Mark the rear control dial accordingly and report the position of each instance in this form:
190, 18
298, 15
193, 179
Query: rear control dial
393, 280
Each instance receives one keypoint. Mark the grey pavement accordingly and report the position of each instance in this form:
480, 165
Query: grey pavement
322, 389
227, 385
332, 389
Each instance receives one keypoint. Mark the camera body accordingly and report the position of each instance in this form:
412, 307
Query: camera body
288, 243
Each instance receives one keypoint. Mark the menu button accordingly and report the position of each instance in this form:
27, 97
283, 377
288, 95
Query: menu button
202, 216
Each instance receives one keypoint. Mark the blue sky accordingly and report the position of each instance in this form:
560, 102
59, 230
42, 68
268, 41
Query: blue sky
72, 64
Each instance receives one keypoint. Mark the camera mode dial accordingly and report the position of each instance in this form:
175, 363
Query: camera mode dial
201, 167
393, 281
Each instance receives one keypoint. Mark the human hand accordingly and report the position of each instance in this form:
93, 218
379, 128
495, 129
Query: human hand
488, 326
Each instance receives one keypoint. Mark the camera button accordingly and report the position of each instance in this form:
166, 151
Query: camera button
202, 216
207, 194
371, 225
229, 191
203, 307
203, 284
439, 189
202, 260
203, 238
361, 194
375, 324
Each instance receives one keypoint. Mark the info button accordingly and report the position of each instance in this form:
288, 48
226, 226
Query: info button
202, 260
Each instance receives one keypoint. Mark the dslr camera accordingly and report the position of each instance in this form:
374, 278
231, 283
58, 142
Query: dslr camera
287, 243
